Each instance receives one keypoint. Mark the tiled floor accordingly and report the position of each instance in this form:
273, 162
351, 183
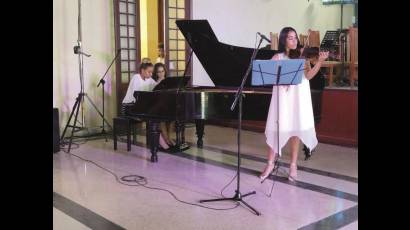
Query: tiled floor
87, 197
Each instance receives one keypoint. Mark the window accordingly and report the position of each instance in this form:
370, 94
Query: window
176, 47
127, 40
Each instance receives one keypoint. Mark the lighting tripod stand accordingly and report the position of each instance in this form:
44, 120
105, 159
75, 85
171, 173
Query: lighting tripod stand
80, 98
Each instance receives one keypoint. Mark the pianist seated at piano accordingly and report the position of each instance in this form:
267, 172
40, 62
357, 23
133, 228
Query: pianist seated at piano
143, 81
159, 74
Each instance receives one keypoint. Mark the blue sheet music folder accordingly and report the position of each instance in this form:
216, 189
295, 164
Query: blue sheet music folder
264, 72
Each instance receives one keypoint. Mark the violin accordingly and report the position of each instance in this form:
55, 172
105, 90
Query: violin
308, 52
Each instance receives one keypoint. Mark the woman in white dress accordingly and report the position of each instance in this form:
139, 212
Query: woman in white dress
295, 108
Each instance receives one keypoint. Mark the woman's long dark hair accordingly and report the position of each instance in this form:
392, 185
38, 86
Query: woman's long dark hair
282, 42
156, 67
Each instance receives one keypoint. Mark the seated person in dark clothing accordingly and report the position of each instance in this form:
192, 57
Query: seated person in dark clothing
159, 74
317, 84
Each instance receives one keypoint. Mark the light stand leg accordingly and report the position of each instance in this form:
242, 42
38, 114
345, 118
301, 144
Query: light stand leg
277, 110
76, 109
79, 98
71, 115
103, 109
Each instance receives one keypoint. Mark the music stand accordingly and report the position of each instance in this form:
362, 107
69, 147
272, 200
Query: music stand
281, 72
238, 100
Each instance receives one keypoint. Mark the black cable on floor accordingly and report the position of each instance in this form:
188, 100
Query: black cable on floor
142, 181
228, 185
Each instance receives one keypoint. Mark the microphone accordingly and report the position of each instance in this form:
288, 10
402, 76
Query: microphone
264, 37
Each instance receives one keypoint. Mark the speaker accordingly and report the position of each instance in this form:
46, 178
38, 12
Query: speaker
56, 131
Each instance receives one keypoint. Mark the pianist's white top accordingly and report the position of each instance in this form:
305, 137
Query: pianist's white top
138, 84
295, 115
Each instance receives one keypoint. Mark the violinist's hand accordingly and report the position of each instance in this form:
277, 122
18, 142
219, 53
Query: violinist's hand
323, 56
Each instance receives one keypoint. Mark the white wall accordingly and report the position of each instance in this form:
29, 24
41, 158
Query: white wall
235, 22
98, 40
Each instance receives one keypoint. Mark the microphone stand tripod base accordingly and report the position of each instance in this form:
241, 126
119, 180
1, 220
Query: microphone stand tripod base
238, 197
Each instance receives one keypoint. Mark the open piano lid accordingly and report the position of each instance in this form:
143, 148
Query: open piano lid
225, 64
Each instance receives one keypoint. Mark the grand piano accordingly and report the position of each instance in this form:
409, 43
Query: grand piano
226, 65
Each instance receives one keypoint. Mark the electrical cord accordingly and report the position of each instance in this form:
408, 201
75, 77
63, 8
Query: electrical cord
137, 180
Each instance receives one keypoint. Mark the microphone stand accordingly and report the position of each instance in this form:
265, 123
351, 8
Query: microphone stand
238, 99
102, 81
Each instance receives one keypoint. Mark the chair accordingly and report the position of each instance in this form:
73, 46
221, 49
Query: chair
127, 124
124, 124
331, 65
353, 55
313, 38
274, 41
302, 39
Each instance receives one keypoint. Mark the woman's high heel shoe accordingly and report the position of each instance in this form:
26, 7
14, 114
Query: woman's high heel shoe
293, 169
268, 169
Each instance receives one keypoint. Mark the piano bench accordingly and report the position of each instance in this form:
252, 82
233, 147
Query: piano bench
125, 125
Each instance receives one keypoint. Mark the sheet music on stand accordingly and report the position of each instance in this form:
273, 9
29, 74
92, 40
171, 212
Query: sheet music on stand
265, 72
331, 39
331, 43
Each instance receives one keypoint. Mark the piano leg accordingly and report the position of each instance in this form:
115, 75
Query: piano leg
199, 132
180, 135
147, 133
183, 132
154, 132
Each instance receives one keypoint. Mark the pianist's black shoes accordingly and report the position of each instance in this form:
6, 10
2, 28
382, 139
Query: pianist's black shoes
162, 149
171, 149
